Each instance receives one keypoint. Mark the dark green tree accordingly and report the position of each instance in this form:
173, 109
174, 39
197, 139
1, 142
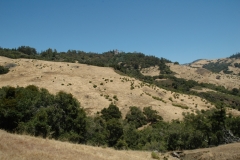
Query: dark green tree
96, 133
3, 70
115, 131
151, 115
70, 117
27, 50
136, 117
111, 112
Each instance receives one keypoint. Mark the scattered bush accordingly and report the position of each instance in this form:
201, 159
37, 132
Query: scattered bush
155, 155
3, 70
180, 105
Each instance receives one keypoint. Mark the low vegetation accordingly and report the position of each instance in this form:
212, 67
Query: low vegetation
128, 64
37, 112
3, 70
237, 55
217, 67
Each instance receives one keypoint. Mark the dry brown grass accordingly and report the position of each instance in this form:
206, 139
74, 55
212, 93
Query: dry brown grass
151, 71
22, 147
223, 152
197, 73
79, 79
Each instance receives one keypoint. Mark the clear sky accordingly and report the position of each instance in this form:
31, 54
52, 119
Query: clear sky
179, 30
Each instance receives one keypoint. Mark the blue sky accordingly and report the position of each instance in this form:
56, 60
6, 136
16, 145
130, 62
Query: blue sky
179, 30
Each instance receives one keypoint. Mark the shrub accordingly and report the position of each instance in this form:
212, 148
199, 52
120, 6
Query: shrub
154, 155
136, 117
3, 70
180, 105
115, 97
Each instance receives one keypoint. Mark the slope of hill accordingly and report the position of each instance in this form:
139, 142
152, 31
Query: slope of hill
196, 71
97, 87
222, 152
25, 147
223, 65
22, 147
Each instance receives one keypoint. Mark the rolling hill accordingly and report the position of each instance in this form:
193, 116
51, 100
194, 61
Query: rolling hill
201, 71
169, 88
79, 80
23, 147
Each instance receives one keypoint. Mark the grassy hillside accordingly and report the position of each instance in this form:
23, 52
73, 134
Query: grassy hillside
79, 80
132, 83
23, 147
197, 72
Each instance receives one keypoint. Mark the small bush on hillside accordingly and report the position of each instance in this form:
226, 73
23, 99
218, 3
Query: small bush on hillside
3, 70
179, 105
115, 97
155, 155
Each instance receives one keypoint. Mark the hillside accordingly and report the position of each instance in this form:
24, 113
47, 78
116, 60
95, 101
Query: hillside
223, 152
79, 80
22, 147
182, 95
196, 71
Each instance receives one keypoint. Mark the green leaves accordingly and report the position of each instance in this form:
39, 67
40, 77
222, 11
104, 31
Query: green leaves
136, 117
115, 130
151, 115
35, 111
111, 112
3, 70
39, 113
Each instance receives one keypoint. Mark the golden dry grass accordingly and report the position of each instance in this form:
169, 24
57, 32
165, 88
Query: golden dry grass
23, 147
79, 79
222, 152
151, 71
205, 76
75, 78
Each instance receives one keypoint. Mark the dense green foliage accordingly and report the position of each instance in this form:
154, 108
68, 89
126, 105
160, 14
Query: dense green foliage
237, 65
237, 55
130, 64
27, 50
127, 63
218, 67
15, 53
3, 70
136, 117
223, 96
37, 112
